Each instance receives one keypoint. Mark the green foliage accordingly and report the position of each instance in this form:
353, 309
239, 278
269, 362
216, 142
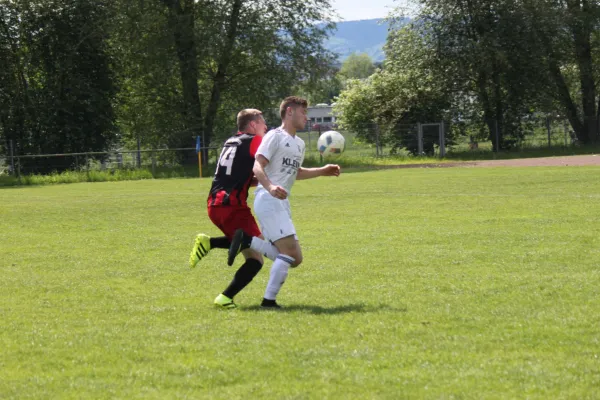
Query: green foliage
275, 47
457, 298
321, 89
58, 86
149, 103
488, 70
565, 33
355, 108
86, 75
406, 91
504, 61
357, 66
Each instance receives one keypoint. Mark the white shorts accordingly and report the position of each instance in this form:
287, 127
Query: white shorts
274, 216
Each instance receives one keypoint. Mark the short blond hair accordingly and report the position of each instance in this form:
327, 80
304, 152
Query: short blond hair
246, 116
292, 101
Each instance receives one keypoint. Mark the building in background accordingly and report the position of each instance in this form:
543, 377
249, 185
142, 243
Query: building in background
321, 117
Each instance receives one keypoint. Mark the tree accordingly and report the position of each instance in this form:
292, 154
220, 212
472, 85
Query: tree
58, 87
487, 55
356, 108
407, 90
247, 53
357, 66
565, 32
150, 104
390, 101
181, 22
267, 46
323, 87
496, 62
519, 57
85, 75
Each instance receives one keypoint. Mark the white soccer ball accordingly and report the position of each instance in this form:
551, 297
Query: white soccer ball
331, 142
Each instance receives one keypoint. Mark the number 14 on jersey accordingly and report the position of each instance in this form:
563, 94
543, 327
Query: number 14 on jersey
226, 159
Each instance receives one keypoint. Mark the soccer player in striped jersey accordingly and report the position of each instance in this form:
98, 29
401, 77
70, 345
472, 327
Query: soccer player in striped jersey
227, 204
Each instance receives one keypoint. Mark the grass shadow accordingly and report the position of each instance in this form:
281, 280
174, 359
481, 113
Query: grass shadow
319, 310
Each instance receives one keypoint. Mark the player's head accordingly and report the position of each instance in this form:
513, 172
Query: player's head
293, 111
250, 120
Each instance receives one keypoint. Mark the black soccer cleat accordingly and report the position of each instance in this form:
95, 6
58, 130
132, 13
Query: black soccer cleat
271, 304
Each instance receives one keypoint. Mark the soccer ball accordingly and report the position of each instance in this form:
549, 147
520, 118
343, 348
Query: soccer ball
331, 142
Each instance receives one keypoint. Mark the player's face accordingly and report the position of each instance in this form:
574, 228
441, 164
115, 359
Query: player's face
261, 126
299, 117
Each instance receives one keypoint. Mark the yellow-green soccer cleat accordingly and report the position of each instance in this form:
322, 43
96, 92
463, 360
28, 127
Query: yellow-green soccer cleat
200, 250
223, 301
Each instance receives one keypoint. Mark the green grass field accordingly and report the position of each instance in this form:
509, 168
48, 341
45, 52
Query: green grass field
417, 283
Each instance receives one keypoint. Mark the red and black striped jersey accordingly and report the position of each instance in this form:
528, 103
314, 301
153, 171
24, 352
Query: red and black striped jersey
234, 171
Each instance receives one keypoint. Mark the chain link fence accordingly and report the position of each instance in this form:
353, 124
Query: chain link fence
430, 139
442, 138
156, 161
371, 140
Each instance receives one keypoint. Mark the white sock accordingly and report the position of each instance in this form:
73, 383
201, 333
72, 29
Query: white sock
265, 248
279, 271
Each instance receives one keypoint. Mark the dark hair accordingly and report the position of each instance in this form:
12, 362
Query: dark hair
246, 116
292, 101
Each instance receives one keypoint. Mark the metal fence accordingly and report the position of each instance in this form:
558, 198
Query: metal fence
371, 140
154, 160
433, 139
441, 138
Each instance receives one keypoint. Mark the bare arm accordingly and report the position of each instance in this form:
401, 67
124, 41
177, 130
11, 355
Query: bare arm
327, 170
259, 172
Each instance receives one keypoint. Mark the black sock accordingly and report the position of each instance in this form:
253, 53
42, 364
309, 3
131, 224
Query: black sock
246, 241
220, 242
243, 277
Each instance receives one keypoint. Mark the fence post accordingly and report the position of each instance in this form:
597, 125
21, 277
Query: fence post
204, 150
12, 158
139, 154
153, 164
377, 140
548, 128
497, 138
420, 138
87, 164
442, 140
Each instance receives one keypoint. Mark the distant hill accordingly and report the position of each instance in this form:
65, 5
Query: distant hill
365, 36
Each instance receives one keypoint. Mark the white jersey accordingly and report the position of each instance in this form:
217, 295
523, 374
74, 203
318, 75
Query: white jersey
285, 154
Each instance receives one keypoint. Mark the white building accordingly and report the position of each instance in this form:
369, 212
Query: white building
321, 114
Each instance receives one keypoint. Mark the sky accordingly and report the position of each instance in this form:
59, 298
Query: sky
352, 10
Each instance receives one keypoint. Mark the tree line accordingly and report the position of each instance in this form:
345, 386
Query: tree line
88, 75
488, 67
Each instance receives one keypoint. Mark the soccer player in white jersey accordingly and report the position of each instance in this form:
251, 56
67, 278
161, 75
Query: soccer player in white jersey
278, 164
